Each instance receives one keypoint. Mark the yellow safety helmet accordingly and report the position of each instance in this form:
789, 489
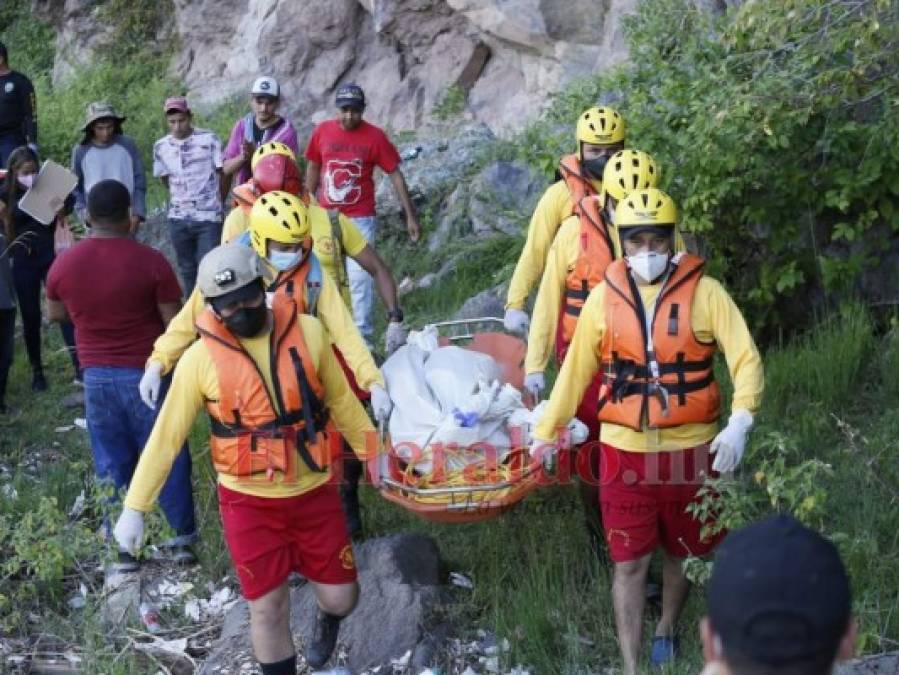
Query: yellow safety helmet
646, 208
278, 216
600, 126
271, 148
629, 170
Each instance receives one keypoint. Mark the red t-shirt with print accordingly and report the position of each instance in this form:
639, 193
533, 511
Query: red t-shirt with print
347, 160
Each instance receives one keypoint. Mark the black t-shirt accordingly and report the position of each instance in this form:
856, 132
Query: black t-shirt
17, 105
37, 241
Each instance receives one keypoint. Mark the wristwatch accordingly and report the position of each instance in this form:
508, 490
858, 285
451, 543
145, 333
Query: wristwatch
395, 315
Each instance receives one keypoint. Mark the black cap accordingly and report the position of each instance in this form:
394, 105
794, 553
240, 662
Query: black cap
779, 593
628, 231
350, 96
108, 202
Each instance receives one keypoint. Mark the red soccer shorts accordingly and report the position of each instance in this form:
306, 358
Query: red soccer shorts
269, 538
644, 497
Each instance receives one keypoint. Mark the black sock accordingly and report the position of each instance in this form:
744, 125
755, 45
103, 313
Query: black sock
286, 667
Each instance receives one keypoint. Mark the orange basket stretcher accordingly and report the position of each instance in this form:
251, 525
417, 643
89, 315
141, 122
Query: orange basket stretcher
483, 490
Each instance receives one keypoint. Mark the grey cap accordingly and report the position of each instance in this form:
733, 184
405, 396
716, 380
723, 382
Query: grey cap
97, 111
227, 268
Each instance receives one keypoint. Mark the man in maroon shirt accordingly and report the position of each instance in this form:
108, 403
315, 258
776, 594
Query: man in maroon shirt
121, 295
341, 157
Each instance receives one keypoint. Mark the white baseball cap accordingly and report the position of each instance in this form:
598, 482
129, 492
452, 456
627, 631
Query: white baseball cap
266, 86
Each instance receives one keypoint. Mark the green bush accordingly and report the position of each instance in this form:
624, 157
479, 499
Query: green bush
776, 129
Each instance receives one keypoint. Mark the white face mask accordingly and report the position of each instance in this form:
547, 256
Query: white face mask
648, 265
26, 180
284, 260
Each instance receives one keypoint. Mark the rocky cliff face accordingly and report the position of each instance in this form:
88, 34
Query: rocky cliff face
507, 54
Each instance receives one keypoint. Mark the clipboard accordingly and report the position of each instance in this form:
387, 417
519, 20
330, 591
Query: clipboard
47, 195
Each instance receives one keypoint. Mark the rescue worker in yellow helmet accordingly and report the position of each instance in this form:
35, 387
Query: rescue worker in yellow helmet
283, 218
269, 381
577, 260
335, 237
599, 134
652, 328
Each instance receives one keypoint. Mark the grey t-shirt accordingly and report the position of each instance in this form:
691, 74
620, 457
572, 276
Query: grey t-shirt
119, 160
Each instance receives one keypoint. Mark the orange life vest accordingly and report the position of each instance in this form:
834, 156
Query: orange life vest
675, 383
578, 182
245, 195
248, 434
595, 253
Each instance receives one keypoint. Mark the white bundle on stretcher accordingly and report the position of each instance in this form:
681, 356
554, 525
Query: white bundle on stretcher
451, 399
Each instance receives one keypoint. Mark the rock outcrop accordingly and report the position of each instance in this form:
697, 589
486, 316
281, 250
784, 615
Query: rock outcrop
506, 54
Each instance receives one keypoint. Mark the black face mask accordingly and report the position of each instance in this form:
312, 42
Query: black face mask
595, 166
247, 321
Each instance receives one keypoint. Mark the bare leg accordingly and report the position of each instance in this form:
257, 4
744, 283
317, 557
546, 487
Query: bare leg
675, 589
336, 599
628, 597
270, 626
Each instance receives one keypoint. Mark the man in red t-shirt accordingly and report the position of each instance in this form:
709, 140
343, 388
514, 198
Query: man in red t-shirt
341, 157
121, 295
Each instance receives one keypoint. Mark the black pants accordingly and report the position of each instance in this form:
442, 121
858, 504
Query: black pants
27, 275
7, 333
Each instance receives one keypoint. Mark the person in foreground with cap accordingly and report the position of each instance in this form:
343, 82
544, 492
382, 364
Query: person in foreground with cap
268, 381
120, 295
599, 135
576, 263
778, 603
261, 125
341, 157
105, 152
658, 407
189, 163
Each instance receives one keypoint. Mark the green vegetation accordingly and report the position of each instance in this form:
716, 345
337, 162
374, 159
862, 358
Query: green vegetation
776, 128
451, 103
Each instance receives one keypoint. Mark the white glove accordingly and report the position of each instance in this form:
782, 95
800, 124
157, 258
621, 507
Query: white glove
129, 530
544, 451
381, 404
516, 321
535, 384
395, 337
730, 443
150, 383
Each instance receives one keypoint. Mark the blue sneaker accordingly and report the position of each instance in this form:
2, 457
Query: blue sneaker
664, 649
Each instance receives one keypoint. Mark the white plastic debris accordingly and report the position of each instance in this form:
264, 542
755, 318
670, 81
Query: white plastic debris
402, 661
458, 579
81, 422
64, 429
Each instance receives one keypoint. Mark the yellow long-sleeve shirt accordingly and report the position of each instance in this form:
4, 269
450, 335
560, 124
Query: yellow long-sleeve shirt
333, 312
554, 207
196, 381
323, 245
560, 260
714, 316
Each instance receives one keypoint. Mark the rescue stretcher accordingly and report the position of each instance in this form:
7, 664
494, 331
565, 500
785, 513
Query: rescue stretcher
487, 488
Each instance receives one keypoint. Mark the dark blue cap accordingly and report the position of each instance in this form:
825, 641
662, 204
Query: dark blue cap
350, 96
778, 593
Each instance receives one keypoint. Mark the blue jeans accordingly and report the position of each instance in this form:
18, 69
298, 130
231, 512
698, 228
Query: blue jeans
362, 286
192, 240
119, 424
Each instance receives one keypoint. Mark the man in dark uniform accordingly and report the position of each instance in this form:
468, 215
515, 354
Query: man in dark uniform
18, 111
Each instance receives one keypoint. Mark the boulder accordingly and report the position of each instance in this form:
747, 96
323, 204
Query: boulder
879, 664
503, 195
486, 303
400, 580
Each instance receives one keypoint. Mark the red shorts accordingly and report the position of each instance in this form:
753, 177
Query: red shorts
644, 497
270, 537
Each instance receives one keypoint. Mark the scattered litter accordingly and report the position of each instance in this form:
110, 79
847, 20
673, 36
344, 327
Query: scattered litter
490, 663
160, 646
78, 507
192, 610
81, 422
403, 661
221, 601
150, 617
77, 602
469, 671
9, 491
168, 589
64, 429
458, 579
